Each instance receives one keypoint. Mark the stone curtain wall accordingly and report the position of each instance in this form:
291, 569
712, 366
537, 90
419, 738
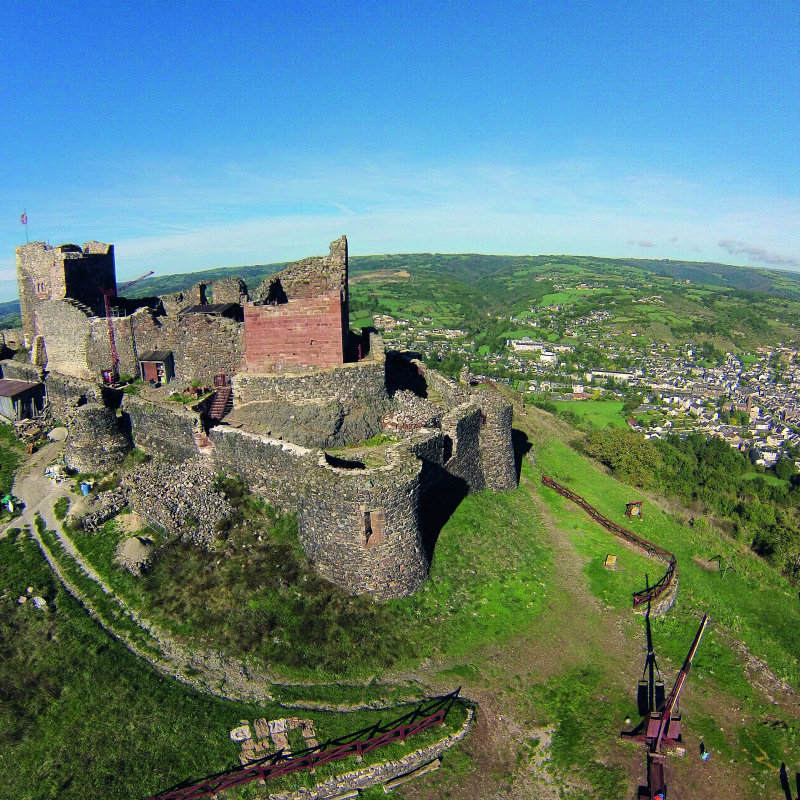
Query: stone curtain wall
448, 392
497, 450
463, 426
161, 430
496, 460
274, 470
363, 382
53, 273
64, 325
302, 332
65, 394
331, 504
13, 338
333, 526
202, 346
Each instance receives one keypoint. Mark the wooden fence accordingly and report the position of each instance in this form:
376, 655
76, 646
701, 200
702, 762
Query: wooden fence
670, 576
425, 715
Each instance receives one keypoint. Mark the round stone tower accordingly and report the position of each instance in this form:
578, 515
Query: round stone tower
497, 449
96, 442
360, 526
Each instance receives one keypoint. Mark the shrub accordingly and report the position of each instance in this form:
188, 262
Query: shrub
61, 508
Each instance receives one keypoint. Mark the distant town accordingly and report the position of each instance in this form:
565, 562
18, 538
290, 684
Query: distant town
749, 400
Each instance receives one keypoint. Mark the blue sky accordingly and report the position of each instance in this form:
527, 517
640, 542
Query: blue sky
202, 134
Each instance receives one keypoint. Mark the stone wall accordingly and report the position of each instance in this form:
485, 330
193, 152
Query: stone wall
64, 325
364, 381
301, 315
273, 470
162, 430
181, 498
229, 290
65, 394
202, 345
441, 388
360, 527
359, 779
13, 338
96, 443
53, 273
21, 371
463, 427
177, 301
311, 277
331, 408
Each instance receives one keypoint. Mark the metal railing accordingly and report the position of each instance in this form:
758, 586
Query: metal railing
652, 592
425, 715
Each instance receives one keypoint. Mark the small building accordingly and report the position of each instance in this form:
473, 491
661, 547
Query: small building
157, 365
20, 399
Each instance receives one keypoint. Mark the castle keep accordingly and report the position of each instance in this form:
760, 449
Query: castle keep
295, 392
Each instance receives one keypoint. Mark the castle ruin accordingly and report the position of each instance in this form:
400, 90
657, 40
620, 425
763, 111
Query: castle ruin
295, 393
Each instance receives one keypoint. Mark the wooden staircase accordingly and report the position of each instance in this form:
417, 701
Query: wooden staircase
222, 403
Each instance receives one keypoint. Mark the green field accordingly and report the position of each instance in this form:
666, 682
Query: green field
599, 412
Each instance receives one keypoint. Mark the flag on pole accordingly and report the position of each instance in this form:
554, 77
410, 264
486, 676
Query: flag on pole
24, 218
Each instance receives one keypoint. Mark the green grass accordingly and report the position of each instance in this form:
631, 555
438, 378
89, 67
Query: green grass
599, 412
105, 606
265, 602
569, 701
10, 456
766, 476
83, 718
756, 603
61, 508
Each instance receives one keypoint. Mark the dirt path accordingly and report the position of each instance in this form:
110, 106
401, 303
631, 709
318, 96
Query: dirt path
573, 630
37, 492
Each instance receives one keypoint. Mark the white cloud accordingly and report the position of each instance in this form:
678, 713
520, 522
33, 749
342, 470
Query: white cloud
176, 217
755, 253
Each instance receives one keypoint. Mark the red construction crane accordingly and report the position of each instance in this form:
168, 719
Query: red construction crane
662, 726
108, 294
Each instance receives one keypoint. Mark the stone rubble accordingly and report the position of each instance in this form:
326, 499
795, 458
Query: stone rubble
272, 735
179, 497
106, 505
412, 413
